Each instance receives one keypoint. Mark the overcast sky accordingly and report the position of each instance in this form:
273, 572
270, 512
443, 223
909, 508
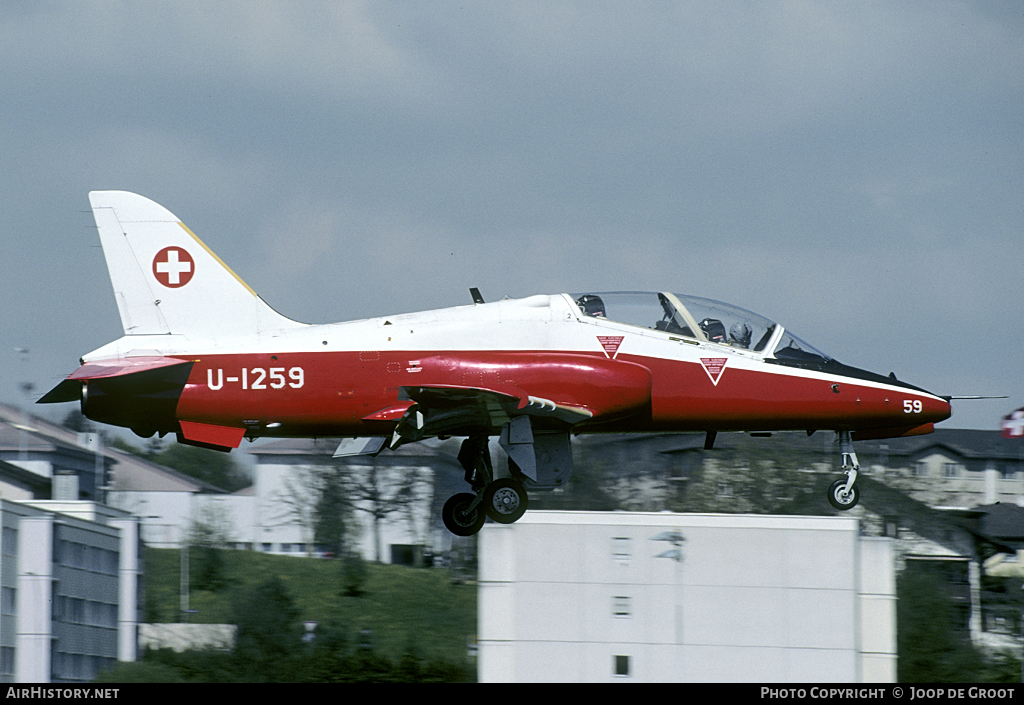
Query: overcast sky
854, 171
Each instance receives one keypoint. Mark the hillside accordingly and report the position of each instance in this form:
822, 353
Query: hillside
402, 607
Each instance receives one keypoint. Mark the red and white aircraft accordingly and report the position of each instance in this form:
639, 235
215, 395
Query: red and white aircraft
205, 358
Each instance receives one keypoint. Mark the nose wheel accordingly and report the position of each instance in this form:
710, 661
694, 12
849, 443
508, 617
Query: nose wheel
842, 498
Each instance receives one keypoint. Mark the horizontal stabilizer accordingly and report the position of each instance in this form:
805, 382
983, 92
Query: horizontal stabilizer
125, 366
71, 389
67, 390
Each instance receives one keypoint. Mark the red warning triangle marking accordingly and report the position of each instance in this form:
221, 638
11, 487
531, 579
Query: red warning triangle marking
714, 366
611, 344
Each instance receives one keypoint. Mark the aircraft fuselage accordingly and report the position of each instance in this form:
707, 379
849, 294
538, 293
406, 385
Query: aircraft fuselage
344, 379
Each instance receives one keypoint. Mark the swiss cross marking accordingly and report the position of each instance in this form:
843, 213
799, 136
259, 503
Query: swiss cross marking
714, 366
611, 344
173, 267
1013, 425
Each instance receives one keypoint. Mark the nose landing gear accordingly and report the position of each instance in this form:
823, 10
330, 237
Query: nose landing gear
843, 494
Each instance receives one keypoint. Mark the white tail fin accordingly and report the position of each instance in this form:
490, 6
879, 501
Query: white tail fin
167, 281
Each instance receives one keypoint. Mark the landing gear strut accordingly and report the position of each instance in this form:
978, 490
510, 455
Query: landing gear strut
843, 494
504, 500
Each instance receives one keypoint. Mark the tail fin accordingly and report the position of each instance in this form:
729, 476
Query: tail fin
167, 281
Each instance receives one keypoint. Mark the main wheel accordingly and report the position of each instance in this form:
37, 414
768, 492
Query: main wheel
459, 518
505, 500
840, 499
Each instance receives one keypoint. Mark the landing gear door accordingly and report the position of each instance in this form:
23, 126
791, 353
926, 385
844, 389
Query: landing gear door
542, 461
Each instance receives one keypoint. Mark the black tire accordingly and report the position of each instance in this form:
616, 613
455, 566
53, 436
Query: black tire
505, 500
841, 500
457, 520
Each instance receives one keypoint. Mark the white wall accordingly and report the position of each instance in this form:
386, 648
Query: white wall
753, 598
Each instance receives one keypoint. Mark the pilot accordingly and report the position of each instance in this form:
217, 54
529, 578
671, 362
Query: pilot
739, 335
591, 305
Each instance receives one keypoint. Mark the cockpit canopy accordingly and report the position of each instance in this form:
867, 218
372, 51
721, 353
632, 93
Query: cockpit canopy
700, 319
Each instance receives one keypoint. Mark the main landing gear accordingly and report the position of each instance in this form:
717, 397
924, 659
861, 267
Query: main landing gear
504, 499
844, 494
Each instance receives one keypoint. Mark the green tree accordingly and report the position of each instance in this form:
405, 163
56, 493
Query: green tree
76, 421
140, 672
381, 491
208, 535
210, 466
332, 521
269, 635
933, 644
353, 574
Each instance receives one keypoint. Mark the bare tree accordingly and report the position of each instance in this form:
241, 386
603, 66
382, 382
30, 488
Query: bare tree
302, 489
381, 491
314, 498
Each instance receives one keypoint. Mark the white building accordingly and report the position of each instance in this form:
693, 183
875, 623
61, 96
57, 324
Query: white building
600, 597
41, 459
70, 574
397, 486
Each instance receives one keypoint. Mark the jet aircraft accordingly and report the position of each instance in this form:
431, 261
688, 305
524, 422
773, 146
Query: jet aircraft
203, 357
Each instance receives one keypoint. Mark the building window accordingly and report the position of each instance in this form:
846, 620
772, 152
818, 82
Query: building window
950, 470
892, 527
8, 600
919, 469
621, 606
622, 665
10, 541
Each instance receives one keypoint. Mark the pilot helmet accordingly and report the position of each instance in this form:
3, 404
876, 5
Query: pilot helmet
739, 333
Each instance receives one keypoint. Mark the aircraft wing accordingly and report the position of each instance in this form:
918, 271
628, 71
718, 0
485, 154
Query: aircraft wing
491, 401
441, 409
